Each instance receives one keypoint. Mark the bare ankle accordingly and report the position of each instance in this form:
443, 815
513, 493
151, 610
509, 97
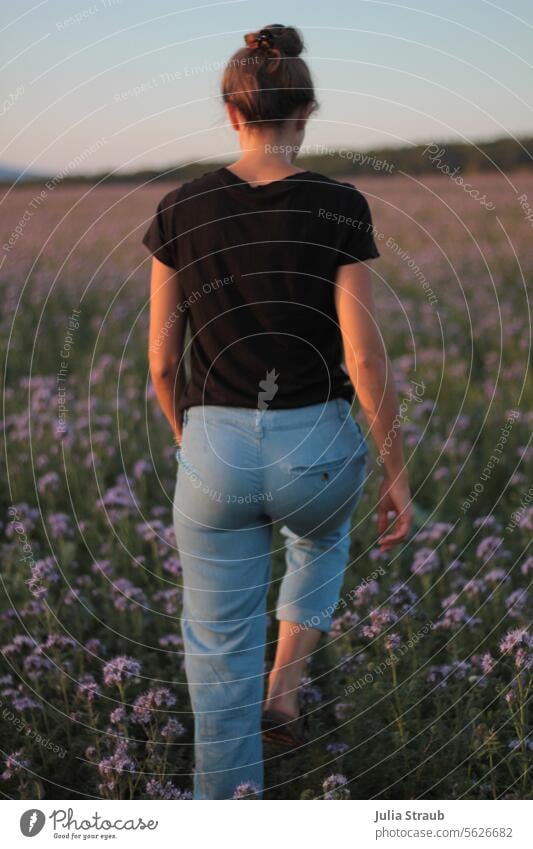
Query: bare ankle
283, 697
283, 704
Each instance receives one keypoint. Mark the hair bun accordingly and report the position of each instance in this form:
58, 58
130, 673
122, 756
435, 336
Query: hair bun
267, 80
287, 40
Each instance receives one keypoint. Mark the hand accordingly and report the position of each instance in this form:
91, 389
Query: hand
178, 430
394, 498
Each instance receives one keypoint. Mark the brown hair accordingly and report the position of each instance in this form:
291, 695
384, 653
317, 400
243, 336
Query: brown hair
267, 80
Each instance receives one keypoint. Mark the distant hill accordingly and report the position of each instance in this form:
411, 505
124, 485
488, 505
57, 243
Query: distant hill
10, 174
434, 158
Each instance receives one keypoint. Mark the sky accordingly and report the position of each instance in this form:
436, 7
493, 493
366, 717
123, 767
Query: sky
95, 85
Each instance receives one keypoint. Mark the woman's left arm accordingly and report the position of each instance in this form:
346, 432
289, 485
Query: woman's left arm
168, 325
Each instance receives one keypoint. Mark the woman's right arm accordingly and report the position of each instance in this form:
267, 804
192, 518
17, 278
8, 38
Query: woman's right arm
371, 374
168, 325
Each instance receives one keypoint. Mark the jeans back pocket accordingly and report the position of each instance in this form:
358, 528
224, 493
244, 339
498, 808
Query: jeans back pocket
324, 468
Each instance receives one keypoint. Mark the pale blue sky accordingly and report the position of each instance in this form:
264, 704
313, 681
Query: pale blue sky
385, 72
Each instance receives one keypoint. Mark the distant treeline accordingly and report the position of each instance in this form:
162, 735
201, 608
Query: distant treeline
432, 158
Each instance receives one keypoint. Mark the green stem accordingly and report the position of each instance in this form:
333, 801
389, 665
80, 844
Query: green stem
399, 720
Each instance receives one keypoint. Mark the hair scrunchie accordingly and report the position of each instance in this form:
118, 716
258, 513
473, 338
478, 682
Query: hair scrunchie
263, 38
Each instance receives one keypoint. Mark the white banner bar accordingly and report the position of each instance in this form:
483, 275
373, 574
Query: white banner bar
350, 823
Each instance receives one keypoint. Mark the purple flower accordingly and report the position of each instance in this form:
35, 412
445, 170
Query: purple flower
363, 593
516, 602
514, 639
156, 790
18, 643
21, 701
173, 728
402, 598
426, 561
474, 586
343, 624
450, 600
171, 640
515, 744
485, 522
94, 646
489, 547
118, 715
103, 567
126, 596
171, 600
336, 787
42, 572
117, 763
169, 536
391, 642
14, 764
348, 663
440, 675
88, 688
120, 668
342, 711
527, 566
34, 608
497, 576
59, 525
150, 532
487, 663
308, 693
379, 619
57, 641
526, 520
141, 468
377, 554
26, 519
35, 665
337, 748
146, 703
173, 566
246, 790
434, 532
48, 482
119, 496
523, 658
72, 596
454, 617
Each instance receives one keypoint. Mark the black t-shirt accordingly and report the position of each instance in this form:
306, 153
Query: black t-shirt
256, 274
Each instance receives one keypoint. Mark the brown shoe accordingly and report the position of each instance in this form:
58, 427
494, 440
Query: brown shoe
286, 730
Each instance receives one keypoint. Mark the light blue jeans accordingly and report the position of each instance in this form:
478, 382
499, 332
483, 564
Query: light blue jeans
239, 471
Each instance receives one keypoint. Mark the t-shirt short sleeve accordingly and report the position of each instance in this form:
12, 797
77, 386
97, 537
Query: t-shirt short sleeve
161, 236
357, 243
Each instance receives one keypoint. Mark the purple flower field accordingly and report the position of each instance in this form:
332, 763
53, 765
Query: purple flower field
424, 689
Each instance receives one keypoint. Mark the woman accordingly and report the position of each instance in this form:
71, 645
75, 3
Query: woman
265, 263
